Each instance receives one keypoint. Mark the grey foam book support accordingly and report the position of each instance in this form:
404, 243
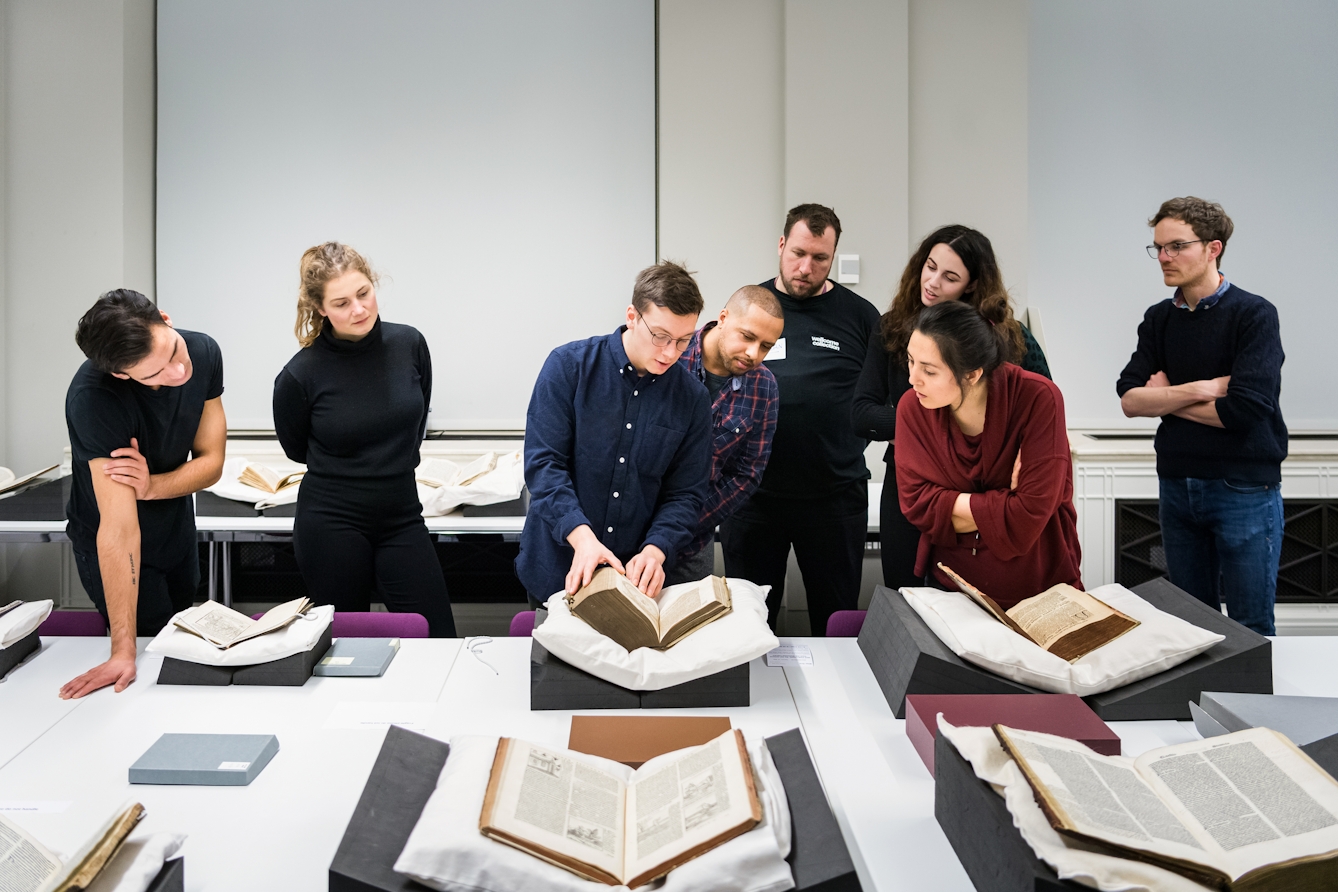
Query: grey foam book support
906, 657
405, 774
290, 671
172, 878
360, 657
1302, 719
216, 760
18, 652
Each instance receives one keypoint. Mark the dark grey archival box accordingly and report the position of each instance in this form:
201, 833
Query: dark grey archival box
290, 671
18, 652
172, 878
907, 658
405, 775
211, 760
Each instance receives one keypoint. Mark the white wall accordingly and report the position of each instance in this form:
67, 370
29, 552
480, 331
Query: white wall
1136, 102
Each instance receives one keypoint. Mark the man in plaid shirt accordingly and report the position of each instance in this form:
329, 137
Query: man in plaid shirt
726, 356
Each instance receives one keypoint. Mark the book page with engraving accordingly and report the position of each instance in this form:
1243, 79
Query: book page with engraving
684, 800
1057, 611
1252, 796
565, 804
213, 622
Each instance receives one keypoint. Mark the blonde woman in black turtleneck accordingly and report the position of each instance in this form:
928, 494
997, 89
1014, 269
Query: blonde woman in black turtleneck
352, 405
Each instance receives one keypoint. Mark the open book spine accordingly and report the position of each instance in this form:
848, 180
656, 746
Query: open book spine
990, 605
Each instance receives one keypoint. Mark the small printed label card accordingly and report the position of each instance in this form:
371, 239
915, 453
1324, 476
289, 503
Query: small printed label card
790, 655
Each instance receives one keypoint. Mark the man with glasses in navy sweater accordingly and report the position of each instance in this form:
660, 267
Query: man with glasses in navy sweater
617, 447
1209, 365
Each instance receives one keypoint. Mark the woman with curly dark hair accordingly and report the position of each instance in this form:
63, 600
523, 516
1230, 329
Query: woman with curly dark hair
952, 263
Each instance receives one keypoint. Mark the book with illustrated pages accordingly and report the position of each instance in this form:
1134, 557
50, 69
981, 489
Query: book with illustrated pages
573, 814
439, 472
615, 607
223, 627
1246, 812
28, 866
267, 479
1063, 620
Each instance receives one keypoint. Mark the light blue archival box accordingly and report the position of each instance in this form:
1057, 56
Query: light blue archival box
219, 760
367, 657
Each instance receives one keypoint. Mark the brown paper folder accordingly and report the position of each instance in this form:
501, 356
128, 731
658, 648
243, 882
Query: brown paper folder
635, 740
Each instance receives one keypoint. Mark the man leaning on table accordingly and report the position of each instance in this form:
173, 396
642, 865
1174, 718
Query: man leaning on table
726, 356
146, 424
617, 440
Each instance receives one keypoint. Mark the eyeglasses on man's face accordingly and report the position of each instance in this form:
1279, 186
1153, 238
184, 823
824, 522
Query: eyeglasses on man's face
659, 339
1172, 249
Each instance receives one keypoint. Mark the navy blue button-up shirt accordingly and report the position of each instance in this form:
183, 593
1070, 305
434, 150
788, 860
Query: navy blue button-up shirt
628, 455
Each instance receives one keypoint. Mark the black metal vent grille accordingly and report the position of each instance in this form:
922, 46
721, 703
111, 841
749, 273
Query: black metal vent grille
1308, 572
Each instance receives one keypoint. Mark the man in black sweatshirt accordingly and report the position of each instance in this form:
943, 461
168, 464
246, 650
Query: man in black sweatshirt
814, 492
1209, 364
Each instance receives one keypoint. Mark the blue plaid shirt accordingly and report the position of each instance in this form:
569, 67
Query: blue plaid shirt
743, 421
1205, 303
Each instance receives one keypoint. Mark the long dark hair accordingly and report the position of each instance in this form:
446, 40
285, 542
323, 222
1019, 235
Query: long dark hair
965, 339
987, 294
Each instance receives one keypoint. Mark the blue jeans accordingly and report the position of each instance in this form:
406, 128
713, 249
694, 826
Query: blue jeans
1223, 541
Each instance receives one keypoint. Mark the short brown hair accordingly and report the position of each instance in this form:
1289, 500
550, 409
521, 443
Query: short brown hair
667, 284
1207, 218
318, 266
816, 217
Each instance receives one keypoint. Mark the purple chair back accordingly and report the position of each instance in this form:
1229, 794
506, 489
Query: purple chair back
375, 625
522, 624
845, 623
73, 623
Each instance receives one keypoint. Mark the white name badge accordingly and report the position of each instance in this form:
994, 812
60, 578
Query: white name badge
778, 351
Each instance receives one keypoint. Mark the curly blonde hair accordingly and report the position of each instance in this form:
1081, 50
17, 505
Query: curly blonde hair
318, 266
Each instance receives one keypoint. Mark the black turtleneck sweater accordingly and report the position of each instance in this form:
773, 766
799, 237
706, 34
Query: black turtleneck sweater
356, 408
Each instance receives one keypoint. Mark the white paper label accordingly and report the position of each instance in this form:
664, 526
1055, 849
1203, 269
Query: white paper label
233, 766
790, 655
379, 716
338, 661
778, 351
33, 806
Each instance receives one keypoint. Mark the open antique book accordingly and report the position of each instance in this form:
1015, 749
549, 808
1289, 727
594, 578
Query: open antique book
1063, 620
8, 481
27, 866
572, 814
268, 479
439, 472
223, 627
612, 605
1245, 811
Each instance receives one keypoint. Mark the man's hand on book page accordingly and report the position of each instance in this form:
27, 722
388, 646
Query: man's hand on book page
128, 466
118, 671
590, 553
646, 570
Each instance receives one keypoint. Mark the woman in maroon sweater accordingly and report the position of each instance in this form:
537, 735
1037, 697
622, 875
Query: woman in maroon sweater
983, 464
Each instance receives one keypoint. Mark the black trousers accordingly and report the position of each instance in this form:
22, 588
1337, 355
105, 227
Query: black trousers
357, 537
898, 537
828, 538
163, 593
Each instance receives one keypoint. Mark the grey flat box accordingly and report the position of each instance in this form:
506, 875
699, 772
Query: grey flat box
405, 775
555, 684
18, 652
212, 760
289, 672
358, 657
172, 878
981, 831
1302, 719
907, 658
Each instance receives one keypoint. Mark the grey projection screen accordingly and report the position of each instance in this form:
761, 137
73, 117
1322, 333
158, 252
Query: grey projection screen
494, 160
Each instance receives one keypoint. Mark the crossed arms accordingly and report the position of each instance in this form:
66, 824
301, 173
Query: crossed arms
1193, 400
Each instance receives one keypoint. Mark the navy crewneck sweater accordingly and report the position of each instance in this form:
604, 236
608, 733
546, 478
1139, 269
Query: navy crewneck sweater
356, 408
1239, 337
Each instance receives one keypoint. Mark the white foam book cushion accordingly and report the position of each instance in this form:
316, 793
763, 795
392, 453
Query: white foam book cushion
502, 484
1160, 642
297, 637
137, 863
229, 486
446, 850
735, 638
20, 622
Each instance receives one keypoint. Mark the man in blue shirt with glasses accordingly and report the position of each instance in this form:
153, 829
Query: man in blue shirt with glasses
617, 446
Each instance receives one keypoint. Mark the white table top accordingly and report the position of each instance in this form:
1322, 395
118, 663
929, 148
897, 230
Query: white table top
282, 830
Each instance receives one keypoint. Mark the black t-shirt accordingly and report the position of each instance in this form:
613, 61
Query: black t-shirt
356, 408
815, 451
103, 412
715, 384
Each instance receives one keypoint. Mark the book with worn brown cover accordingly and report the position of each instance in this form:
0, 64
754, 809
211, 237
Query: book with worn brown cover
615, 607
575, 815
636, 739
1066, 621
1244, 812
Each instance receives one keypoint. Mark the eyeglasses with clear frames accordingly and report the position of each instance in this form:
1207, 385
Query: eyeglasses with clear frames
663, 340
1172, 249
